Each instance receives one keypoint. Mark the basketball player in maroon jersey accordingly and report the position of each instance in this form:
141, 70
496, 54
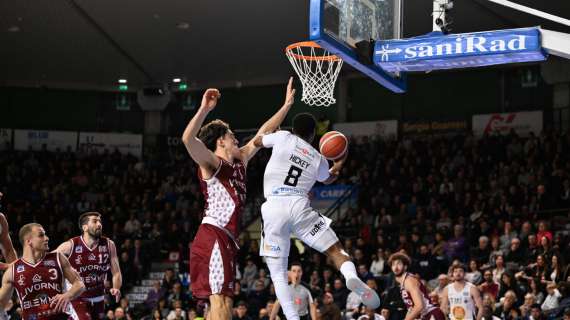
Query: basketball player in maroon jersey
92, 255
5, 242
38, 278
414, 293
222, 172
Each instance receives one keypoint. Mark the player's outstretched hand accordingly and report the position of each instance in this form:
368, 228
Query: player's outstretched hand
116, 293
210, 99
290, 97
59, 303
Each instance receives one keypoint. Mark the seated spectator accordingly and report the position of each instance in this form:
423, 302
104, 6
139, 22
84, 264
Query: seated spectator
474, 275
177, 312
329, 310
370, 314
482, 252
515, 255
257, 298
507, 304
552, 298
178, 295
241, 312
489, 286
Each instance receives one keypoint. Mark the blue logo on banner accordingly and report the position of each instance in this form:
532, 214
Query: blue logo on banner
332, 192
437, 51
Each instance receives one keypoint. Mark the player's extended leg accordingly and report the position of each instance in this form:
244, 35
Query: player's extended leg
278, 271
343, 263
275, 248
220, 307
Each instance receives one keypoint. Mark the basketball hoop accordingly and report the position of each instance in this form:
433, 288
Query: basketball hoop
318, 70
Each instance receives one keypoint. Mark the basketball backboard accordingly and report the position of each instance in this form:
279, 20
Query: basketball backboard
338, 25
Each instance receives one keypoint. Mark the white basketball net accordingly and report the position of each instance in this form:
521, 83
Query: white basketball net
318, 70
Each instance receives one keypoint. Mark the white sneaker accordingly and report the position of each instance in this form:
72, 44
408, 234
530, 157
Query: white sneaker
368, 296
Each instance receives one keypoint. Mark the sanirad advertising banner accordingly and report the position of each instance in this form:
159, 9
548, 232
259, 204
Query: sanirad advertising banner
52, 140
123, 142
5, 139
387, 128
502, 123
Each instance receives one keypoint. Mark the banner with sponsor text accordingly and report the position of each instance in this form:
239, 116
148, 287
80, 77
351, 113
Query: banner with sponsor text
38, 139
125, 143
502, 123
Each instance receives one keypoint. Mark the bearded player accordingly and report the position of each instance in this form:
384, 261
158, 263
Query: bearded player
222, 172
414, 293
461, 299
92, 255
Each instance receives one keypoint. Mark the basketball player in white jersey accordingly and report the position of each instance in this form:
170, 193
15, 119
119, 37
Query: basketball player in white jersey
461, 299
291, 172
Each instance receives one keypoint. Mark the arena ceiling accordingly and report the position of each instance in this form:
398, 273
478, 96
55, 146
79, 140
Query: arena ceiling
89, 44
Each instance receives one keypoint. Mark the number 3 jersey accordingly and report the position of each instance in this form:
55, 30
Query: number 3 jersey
91, 264
294, 166
37, 285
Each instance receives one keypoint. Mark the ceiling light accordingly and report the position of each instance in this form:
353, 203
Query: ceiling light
176, 80
122, 80
14, 29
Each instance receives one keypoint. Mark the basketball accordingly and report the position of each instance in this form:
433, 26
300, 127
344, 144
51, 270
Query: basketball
333, 145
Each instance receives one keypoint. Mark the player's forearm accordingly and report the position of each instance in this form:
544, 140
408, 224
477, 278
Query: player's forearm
76, 289
414, 313
10, 255
276, 120
194, 126
117, 280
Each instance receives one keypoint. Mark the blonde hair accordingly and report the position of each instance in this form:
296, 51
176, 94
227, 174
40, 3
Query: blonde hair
26, 230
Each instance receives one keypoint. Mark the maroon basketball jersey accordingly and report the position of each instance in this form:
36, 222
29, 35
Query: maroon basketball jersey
407, 297
92, 265
225, 196
36, 285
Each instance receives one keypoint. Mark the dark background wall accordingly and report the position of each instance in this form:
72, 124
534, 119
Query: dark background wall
436, 95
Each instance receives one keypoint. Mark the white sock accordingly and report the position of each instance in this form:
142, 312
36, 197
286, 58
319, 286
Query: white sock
348, 270
278, 271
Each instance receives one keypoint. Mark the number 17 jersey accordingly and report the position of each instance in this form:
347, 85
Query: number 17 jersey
294, 166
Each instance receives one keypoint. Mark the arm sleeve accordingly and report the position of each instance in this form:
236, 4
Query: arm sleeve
269, 140
323, 172
309, 296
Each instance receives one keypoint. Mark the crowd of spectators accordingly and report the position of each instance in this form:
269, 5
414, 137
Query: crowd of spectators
499, 204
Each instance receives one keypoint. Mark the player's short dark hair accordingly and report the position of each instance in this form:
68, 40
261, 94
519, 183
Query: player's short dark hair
304, 125
458, 266
402, 257
295, 263
212, 131
26, 230
84, 218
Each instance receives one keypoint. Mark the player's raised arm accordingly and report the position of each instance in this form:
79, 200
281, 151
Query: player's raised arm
6, 243
334, 171
7, 288
196, 148
249, 150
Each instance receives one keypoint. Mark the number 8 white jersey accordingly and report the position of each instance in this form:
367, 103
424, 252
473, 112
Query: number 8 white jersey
294, 166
